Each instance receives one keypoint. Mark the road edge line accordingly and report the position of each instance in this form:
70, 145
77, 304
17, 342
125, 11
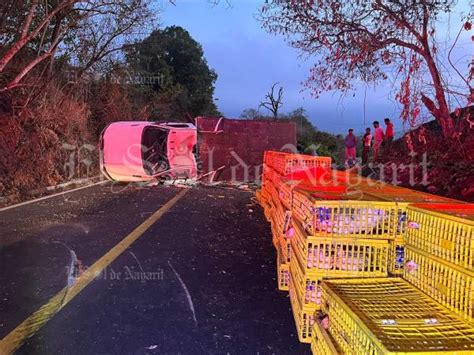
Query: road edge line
50, 196
26, 329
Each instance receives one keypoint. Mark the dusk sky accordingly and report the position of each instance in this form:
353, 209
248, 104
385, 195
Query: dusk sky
249, 60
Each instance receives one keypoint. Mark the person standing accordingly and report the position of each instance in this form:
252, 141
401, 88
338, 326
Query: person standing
367, 143
351, 144
378, 139
388, 135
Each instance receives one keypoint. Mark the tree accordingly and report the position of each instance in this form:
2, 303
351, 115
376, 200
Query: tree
177, 62
363, 40
251, 113
310, 139
273, 101
33, 32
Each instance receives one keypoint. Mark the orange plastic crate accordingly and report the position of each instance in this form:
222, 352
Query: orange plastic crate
352, 179
265, 193
285, 187
266, 181
267, 211
269, 157
288, 163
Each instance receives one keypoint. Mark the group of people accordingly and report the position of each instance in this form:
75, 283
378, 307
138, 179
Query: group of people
369, 142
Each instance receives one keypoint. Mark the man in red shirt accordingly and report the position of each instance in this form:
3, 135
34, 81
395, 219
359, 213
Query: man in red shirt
388, 137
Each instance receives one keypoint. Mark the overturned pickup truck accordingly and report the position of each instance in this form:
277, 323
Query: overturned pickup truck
144, 151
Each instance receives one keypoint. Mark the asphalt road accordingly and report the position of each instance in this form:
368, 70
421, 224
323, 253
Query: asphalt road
200, 280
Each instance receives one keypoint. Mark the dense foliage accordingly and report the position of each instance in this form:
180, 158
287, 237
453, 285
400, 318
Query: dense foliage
177, 72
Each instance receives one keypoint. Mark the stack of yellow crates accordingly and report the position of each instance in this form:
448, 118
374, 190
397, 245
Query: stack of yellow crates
428, 310
439, 243
345, 233
276, 199
386, 316
322, 232
335, 237
404, 198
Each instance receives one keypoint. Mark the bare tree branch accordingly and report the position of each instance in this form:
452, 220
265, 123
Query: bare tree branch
273, 102
22, 41
94, 29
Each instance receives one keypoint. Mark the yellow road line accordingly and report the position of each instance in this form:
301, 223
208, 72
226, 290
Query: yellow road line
33, 323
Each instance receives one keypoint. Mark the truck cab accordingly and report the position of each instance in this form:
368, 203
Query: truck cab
144, 151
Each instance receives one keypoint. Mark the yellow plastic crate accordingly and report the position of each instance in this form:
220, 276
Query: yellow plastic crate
304, 316
283, 274
275, 233
352, 179
267, 210
396, 256
285, 191
279, 215
307, 289
328, 214
281, 218
285, 247
258, 196
322, 342
452, 287
339, 257
443, 230
288, 163
405, 197
275, 195
402, 194
390, 316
